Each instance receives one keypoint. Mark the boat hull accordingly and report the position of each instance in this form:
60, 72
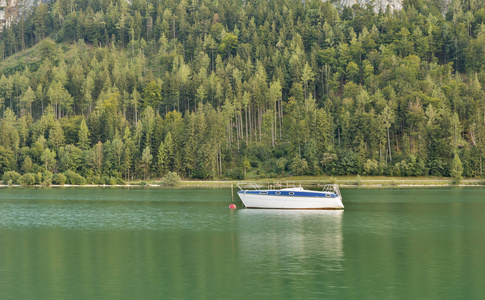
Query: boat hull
290, 202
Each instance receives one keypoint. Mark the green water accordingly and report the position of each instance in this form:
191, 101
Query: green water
186, 244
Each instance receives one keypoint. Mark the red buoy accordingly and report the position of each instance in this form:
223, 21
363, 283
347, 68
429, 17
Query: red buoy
232, 206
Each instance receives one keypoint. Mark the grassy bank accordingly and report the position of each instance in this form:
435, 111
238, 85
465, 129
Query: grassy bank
343, 181
346, 181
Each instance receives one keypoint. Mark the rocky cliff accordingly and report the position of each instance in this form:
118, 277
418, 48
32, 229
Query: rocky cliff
6, 11
11, 9
378, 4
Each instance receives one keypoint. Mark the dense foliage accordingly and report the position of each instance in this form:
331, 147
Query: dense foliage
95, 91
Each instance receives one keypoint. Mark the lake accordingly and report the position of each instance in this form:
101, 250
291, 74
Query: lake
116, 243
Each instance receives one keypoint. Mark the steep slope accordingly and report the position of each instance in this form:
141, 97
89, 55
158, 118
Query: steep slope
378, 4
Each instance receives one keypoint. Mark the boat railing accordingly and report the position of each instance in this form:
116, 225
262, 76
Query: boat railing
332, 188
244, 186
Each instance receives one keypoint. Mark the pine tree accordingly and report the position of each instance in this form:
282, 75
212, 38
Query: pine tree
146, 159
83, 136
162, 159
127, 152
56, 136
169, 152
27, 99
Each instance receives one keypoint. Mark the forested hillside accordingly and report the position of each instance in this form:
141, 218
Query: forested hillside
103, 91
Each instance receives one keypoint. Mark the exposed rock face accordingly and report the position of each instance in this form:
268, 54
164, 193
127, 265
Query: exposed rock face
378, 4
11, 9
8, 11
3, 6
391, 4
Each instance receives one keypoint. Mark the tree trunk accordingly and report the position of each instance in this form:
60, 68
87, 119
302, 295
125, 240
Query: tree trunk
389, 143
281, 114
247, 134
220, 159
250, 125
237, 130
273, 126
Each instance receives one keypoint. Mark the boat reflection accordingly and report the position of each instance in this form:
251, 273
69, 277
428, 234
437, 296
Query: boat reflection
292, 239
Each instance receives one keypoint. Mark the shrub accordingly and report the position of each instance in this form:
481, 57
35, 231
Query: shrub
74, 178
59, 178
46, 178
104, 180
10, 176
236, 173
112, 181
38, 178
358, 181
281, 165
272, 175
299, 165
371, 167
93, 179
171, 179
261, 173
456, 170
27, 179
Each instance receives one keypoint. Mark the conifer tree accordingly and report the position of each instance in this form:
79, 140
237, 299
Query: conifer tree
162, 159
146, 159
83, 136
56, 136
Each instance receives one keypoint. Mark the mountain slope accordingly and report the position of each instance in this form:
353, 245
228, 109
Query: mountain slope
226, 88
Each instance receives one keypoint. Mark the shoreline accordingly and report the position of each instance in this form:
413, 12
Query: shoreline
346, 183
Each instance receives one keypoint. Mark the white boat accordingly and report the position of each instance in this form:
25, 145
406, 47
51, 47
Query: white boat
253, 196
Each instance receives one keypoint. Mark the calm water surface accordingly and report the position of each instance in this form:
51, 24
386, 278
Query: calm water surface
81, 243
